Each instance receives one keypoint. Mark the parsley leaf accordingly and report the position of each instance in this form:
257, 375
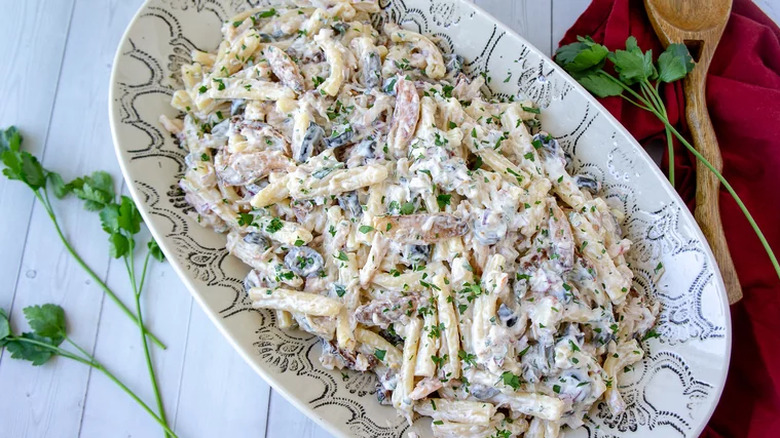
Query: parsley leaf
365, 229
582, 55
37, 354
501, 433
155, 250
96, 190
245, 219
674, 63
20, 165
650, 335
407, 208
632, 65
380, 354
5, 326
468, 358
510, 379
129, 217
10, 139
600, 84
267, 14
46, 321
443, 200
119, 246
58, 185
531, 110
274, 225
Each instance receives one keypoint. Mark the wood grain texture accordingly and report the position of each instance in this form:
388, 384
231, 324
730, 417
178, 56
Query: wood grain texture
699, 24
31, 69
220, 394
531, 19
564, 14
284, 420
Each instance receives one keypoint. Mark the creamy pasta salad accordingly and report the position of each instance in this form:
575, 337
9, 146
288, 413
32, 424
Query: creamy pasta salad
424, 232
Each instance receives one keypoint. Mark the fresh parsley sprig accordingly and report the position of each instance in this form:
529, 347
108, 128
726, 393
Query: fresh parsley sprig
97, 190
45, 341
638, 80
119, 218
122, 221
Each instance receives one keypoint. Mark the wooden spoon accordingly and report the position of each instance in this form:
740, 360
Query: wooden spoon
699, 25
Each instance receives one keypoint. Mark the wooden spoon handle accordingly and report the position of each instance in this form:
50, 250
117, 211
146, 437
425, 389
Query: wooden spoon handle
707, 211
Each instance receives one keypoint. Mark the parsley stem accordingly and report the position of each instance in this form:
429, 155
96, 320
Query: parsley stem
135, 397
625, 87
670, 152
76, 346
731, 191
55, 349
50, 211
143, 272
669, 138
137, 292
652, 94
89, 360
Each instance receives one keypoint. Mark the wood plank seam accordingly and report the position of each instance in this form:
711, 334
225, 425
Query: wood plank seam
95, 337
42, 153
183, 361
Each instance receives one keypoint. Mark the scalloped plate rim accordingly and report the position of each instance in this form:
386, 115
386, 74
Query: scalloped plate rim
248, 355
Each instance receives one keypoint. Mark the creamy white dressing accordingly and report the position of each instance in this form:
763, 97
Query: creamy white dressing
419, 195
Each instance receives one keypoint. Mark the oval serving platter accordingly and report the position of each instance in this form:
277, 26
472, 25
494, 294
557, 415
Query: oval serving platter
671, 393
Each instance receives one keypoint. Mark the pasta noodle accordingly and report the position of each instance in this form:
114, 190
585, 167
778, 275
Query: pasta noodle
422, 230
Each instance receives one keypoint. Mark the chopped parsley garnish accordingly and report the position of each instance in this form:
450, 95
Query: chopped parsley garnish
435, 330
531, 110
650, 335
245, 219
274, 225
439, 361
511, 380
443, 200
407, 208
468, 358
267, 14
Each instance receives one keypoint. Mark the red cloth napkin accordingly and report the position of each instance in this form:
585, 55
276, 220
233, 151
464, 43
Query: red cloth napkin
743, 96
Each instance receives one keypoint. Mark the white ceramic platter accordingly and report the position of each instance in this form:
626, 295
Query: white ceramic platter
671, 393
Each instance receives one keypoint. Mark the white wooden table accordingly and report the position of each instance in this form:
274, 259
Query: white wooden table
57, 57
